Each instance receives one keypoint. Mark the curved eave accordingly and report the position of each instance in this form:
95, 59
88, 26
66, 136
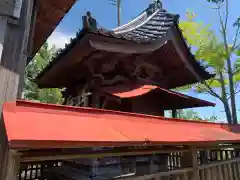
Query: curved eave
194, 63
151, 32
60, 54
119, 33
165, 22
92, 43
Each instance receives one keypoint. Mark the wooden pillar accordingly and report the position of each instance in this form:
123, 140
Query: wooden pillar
13, 39
151, 164
174, 113
204, 156
3, 26
195, 174
3, 148
12, 165
96, 100
104, 103
27, 26
189, 159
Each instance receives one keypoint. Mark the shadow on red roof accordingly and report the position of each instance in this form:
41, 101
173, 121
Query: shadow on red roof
36, 125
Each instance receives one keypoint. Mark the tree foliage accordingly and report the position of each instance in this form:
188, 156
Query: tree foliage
220, 56
31, 90
190, 114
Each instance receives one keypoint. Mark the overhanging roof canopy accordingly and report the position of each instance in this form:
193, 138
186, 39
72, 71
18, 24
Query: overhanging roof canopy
49, 14
166, 98
152, 41
36, 125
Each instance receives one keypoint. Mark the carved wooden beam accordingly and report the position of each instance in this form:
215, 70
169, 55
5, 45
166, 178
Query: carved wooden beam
77, 96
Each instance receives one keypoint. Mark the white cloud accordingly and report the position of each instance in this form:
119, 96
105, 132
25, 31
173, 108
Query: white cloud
59, 39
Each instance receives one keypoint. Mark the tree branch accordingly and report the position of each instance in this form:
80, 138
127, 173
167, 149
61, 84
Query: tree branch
207, 91
237, 87
226, 18
211, 91
220, 18
236, 92
235, 71
234, 47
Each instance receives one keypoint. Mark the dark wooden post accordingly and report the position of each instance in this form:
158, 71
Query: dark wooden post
189, 159
174, 113
204, 156
15, 21
29, 24
195, 174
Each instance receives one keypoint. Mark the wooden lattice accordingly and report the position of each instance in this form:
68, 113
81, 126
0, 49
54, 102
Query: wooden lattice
34, 171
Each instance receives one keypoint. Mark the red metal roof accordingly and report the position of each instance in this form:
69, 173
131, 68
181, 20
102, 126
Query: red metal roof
36, 125
125, 91
167, 97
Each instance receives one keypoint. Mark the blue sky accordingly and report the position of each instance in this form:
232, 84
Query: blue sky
106, 17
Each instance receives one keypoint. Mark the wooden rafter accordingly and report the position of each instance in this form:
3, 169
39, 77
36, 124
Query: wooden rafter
45, 25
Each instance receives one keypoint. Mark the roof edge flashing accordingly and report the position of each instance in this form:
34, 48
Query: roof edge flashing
125, 26
45, 106
144, 16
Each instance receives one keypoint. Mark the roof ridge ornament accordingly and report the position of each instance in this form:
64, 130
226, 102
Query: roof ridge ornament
154, 6
89, 23
158, 3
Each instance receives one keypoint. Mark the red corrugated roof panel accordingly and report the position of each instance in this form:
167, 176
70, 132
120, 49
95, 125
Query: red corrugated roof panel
129, 91
36, 125
170, 99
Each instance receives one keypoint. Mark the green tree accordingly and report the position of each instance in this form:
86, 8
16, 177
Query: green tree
190, 114
219, 55
31, 90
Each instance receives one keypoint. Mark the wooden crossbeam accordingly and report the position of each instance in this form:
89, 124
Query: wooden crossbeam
43, 156
32, 156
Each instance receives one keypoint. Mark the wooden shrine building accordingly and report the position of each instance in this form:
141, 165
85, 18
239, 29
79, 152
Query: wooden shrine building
150, 50
116, 86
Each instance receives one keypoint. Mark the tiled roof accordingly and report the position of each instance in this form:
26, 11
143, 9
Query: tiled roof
143, 29
153, 28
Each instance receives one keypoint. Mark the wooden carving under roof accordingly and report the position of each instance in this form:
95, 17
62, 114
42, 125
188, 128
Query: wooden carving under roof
149, 48
134, 97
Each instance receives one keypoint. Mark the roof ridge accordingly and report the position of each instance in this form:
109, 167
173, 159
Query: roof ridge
146, 15
131, 23
142, 15
76, 109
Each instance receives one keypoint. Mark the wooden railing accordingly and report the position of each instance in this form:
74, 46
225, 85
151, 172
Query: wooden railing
222, 170
221, 164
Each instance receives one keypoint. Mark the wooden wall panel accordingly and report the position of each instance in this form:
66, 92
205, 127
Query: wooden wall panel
12, 65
